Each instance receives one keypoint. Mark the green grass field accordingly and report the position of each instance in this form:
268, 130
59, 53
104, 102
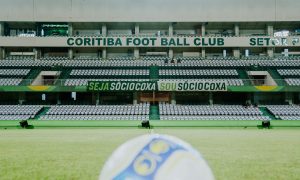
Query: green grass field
233, 153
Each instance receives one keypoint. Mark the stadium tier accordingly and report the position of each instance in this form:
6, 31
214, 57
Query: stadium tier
216, 112
19, 112
108, 112
285, 112
142, 112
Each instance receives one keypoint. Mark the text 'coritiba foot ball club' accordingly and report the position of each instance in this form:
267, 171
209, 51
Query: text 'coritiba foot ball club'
158, 157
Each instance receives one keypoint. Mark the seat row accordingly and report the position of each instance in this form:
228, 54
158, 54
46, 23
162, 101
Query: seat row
14, 72
19, 109
10, 81
142, 63
22, 57
55, 58
94, 117
15, 117
109, 72
292, 81
284, 110
140, 109
217, 118
289, 72
198, 72
215, 110
84, 82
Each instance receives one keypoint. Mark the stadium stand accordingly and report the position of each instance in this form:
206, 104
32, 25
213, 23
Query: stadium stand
95, 117
14, 72
28, 58
83, 82
19, 112
109, 72
10, 81
291, 76
285, 112
209, 112
100, 112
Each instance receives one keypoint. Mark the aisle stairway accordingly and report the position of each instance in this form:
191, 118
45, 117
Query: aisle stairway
32, 75
154, 112
154, 73
42, 112
244, 76
276, 76
266, 112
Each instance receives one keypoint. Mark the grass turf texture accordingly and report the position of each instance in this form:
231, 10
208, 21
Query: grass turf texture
233, 153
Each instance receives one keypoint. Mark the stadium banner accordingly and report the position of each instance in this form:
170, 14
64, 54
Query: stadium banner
183, 41
138, 41
84, 88
203, 85
121, 86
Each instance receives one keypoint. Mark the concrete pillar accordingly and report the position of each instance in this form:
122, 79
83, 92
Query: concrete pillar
236, 30
70, 52
255, 98
203, 30
22, 97
137, 29
170, 29
135, 98
237, 53
270, 30
2, 53
247, 53
136, 52
270, 52
248, 100
173, 98
171, 53
136, 49
224, 53
58, 101
203, 52
97, 98
70, 29
35, 53
104, 30
39, 53
104, 53
289, 98
210, 98
1, 29
94, 98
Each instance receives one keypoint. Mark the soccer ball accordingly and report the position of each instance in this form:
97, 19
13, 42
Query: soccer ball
158, 157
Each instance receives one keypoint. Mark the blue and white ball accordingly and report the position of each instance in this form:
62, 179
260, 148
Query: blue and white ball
158, 157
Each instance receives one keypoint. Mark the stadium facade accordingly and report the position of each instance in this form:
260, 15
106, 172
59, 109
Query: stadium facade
157, 57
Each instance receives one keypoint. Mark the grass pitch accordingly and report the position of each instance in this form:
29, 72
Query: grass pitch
233, 154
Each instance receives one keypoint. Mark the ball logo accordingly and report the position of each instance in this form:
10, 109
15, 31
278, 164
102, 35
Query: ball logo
149, 159
146, 163
159, 147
